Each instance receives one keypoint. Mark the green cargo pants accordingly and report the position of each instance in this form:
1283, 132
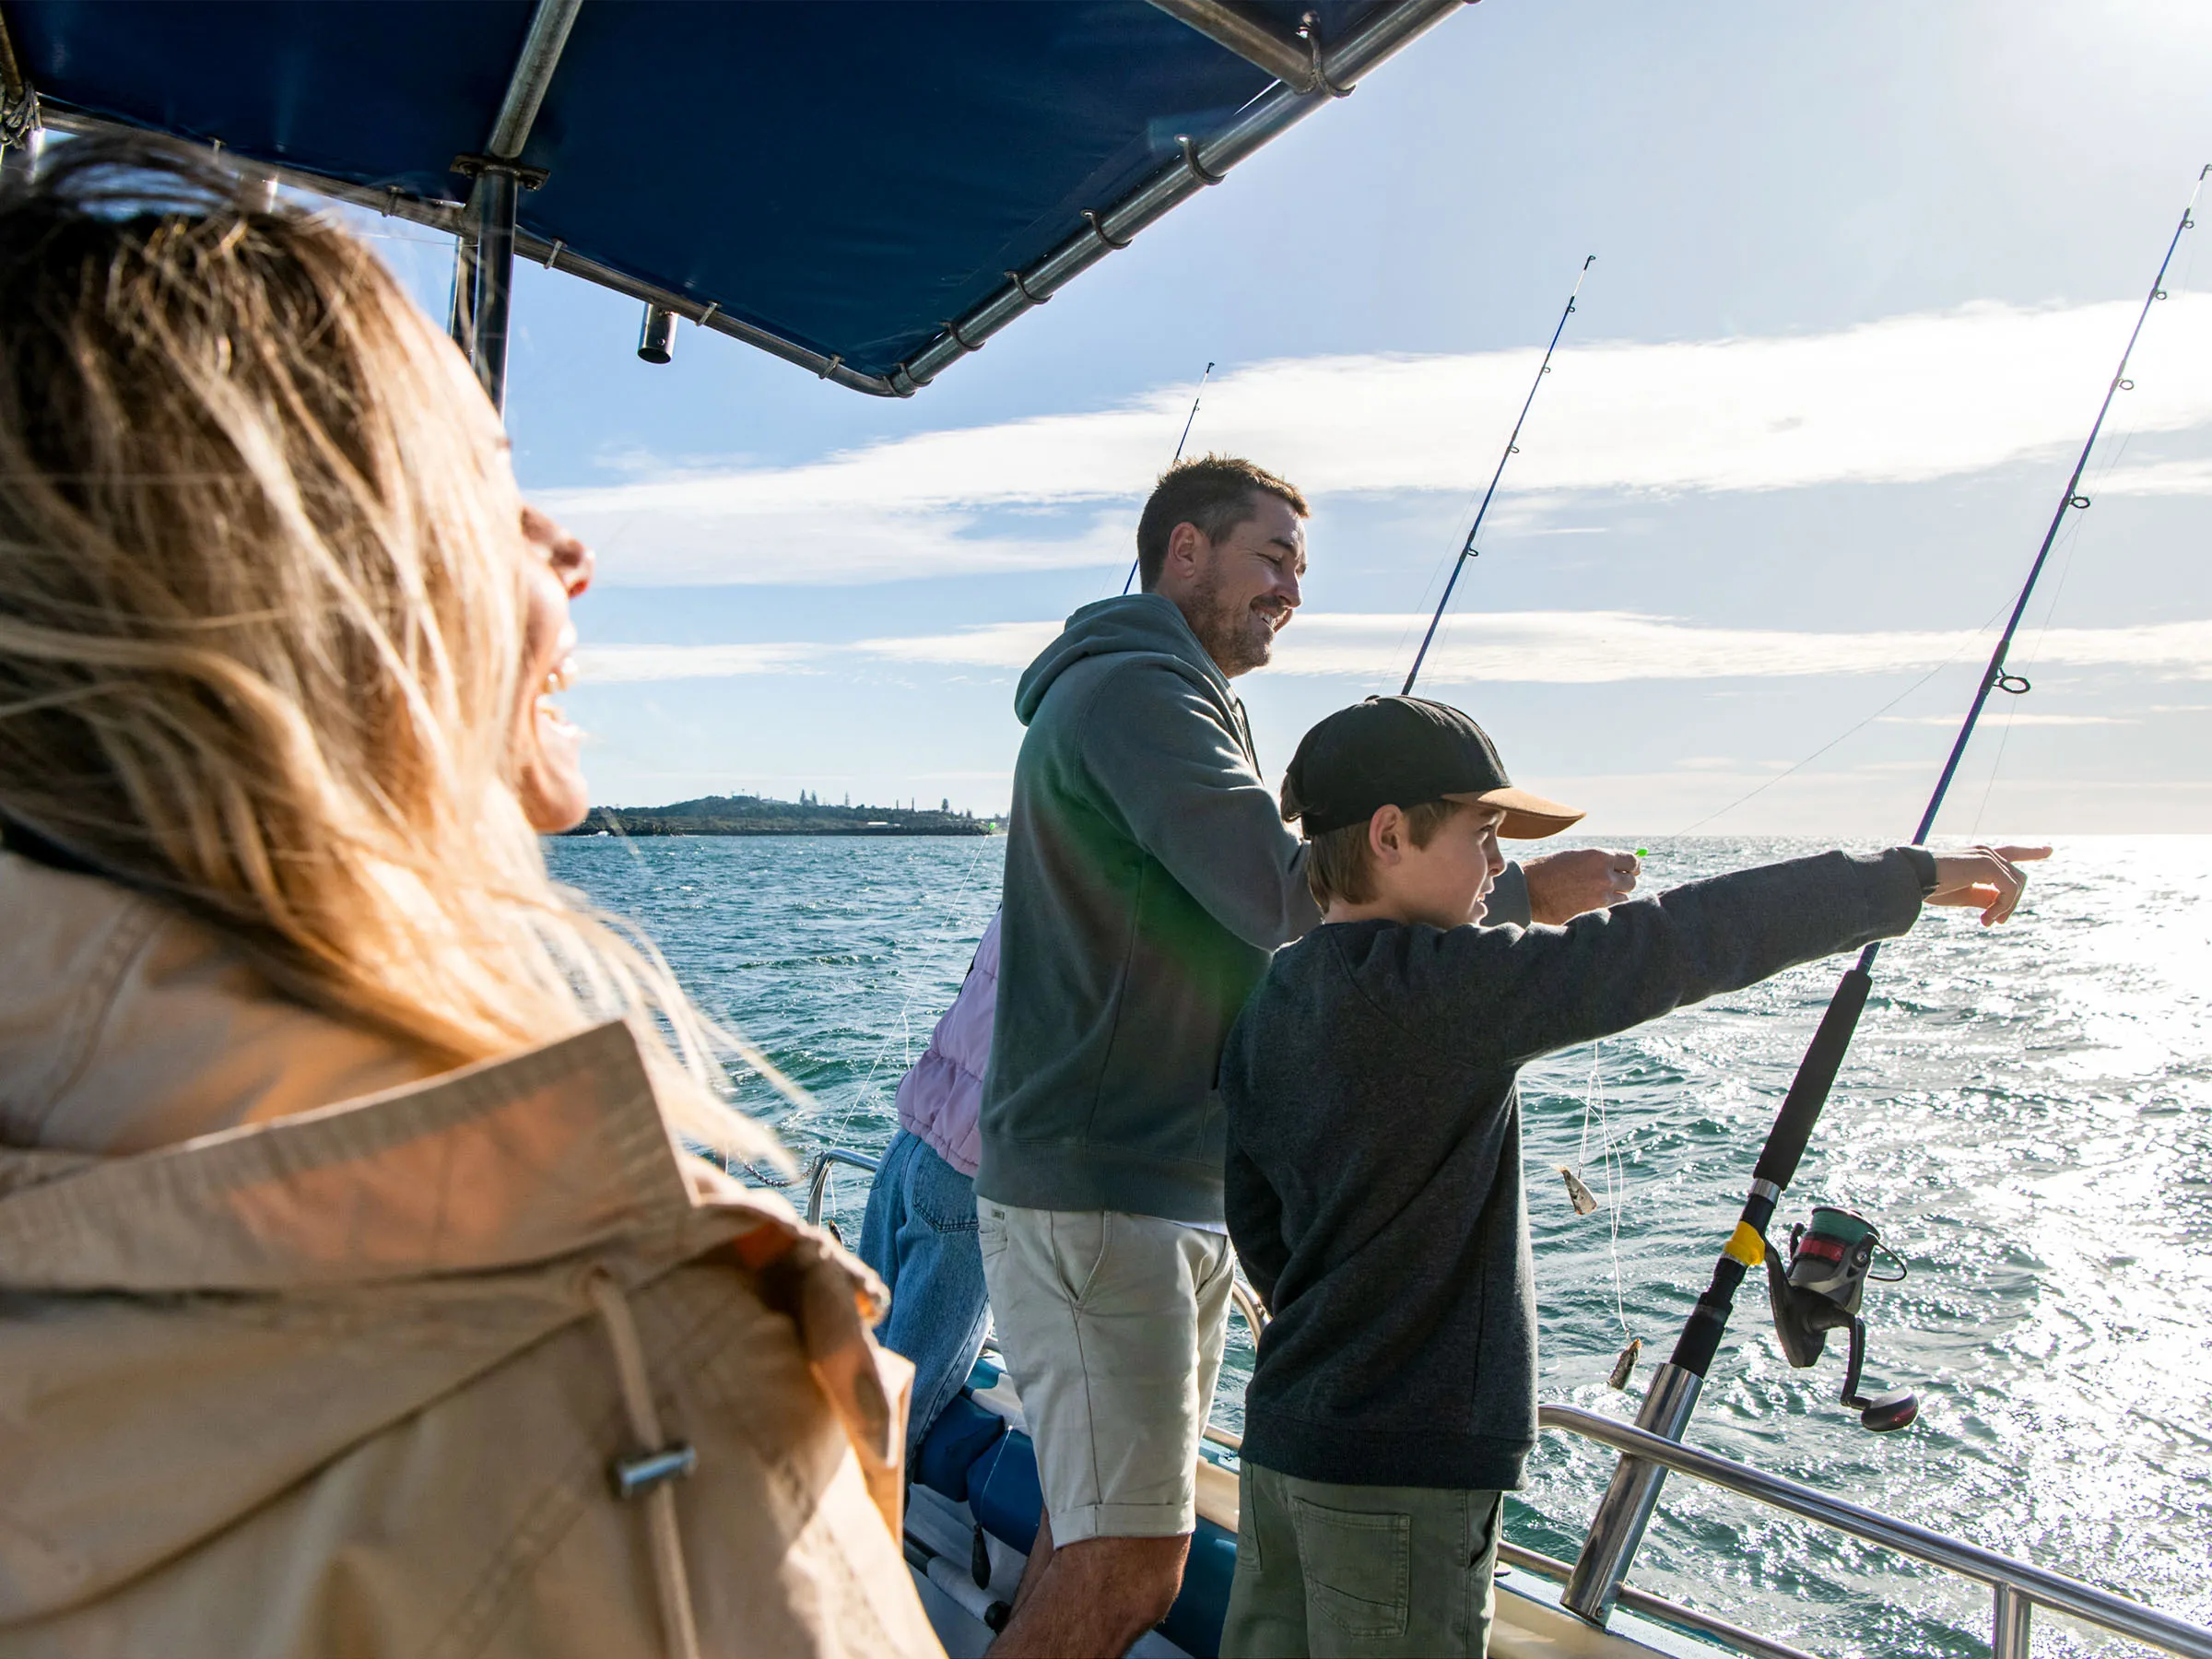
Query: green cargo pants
1359, 1571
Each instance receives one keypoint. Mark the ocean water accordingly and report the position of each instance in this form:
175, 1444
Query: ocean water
2026, 1114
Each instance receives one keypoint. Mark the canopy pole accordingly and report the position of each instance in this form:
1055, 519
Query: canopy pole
491, 203
19, 131
463, 309
484, 257
1288, 61
1617, 1529
526, 87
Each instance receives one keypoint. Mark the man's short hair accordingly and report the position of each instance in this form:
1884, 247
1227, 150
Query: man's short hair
1216, 493
1340, 865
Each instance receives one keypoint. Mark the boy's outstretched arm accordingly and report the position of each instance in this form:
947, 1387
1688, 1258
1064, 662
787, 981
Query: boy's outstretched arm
1502, 996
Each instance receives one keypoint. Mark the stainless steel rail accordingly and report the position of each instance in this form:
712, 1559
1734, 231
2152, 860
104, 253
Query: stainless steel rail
1609, 1541
819, 1179
484, 259
2017, 1586
533, 76
1204, 162
1734, 1636
707, 315
1246, 1302
446, 215
1289, 62
452, 219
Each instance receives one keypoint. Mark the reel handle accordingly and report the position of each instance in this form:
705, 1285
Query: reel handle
1885, 1412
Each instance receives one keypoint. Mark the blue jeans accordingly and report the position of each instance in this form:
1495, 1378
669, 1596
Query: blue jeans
919, 1236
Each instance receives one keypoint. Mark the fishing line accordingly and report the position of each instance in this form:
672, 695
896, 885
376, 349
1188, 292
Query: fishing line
1130, 580
1578, 1189
2070, 548
1512, 448
1467, 504
1629, 1502
1863, 724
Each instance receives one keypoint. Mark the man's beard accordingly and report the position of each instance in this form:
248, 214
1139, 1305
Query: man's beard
1234, 635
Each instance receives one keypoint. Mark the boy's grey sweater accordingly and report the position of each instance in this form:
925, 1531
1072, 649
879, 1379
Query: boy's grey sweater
1374, 1187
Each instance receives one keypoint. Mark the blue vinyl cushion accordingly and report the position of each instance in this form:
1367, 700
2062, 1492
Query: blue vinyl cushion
960, 1437
1004, 1493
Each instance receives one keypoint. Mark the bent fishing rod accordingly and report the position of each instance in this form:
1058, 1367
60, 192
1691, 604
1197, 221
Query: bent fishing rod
1130, 580
1618, 1527
1512, 448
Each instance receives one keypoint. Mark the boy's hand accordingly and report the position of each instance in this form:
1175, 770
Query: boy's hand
1561, 886
1987, 879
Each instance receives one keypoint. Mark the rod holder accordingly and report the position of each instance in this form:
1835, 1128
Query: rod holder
1616, 1531
656, 340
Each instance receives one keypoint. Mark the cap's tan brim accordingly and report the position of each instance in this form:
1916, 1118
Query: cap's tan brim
1527, 817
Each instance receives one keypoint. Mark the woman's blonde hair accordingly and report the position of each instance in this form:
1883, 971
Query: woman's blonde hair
262, 619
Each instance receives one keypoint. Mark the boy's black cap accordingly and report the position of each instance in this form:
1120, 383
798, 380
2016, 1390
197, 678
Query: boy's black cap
1403, 751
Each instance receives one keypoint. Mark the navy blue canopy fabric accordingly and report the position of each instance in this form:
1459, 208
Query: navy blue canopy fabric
848, 174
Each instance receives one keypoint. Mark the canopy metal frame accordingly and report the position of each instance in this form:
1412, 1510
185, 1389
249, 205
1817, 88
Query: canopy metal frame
484, 254
1309, 73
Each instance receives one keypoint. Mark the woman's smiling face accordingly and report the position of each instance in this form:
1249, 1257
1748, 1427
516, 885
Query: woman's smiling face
548, 771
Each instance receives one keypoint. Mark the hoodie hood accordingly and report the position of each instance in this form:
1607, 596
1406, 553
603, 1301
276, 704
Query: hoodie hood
1131, 624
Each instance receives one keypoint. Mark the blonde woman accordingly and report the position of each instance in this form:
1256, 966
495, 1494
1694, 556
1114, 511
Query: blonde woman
357, 1297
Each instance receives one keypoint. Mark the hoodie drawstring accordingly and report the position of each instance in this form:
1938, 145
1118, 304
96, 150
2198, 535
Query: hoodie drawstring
650, 1474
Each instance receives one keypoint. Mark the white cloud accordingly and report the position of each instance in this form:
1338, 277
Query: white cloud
1541, 647
1903, 399
1596, 647
2158, 478
613, 664
993, 646
1950, 721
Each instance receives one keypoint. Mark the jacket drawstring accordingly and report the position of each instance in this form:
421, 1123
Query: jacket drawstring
651, 1474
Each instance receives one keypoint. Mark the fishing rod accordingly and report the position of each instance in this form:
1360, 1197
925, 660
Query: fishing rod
1131, 580
1512, 448
1818, 1291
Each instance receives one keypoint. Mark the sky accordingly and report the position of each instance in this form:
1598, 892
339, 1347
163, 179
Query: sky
1863, 276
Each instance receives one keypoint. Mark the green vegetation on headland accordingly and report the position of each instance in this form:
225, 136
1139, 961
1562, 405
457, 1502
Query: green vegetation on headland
755, 815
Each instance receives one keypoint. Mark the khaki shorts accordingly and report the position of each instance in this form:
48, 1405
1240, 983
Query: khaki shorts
1112, 1326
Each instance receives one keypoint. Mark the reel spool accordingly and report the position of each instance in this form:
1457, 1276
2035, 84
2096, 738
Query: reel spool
1818, 1291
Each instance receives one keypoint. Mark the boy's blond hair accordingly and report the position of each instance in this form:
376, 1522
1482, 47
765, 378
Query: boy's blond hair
1340, 865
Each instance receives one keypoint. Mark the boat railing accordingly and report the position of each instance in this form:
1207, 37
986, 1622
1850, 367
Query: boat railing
818, 1183
2016, 1587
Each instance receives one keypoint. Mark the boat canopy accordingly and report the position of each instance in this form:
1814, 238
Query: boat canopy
867, 188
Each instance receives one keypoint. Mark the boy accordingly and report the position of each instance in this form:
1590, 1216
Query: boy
1374, 1163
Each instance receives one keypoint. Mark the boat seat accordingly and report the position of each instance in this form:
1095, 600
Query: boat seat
955, 1445
977, 1455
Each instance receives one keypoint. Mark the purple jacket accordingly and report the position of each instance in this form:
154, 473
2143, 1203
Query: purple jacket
938, 1098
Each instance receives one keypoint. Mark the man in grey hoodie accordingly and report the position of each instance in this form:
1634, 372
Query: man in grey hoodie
1149, 876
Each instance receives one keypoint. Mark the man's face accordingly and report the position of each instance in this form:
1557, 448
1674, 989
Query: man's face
1238, 593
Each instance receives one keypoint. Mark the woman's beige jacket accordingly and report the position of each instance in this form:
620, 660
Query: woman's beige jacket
353, 1381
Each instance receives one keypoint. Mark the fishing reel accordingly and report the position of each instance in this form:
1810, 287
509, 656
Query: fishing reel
1817, 1291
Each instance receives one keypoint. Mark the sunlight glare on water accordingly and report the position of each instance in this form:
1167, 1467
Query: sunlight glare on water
2026, 1114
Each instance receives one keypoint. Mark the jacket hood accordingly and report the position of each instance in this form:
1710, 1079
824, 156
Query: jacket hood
1131, 624
216, 1320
